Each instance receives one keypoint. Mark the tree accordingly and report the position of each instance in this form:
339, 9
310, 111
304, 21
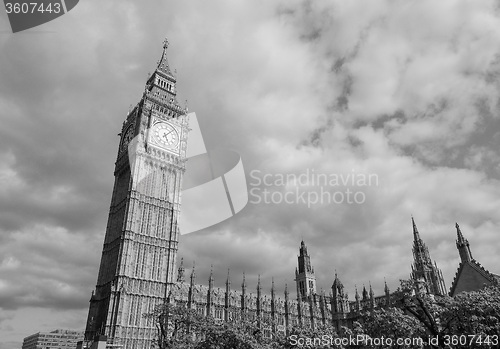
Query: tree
181, 327
177, 326
469, 320
394, 325
472, 319
303, 337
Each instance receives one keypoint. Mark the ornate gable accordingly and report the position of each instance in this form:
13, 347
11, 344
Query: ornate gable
471, 276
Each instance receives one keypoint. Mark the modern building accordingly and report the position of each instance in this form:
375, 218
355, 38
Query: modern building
470, 275
57, 339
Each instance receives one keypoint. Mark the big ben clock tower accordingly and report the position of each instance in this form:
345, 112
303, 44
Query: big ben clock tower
140, 246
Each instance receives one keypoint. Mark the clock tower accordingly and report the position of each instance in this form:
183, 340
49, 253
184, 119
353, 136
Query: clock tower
140, 246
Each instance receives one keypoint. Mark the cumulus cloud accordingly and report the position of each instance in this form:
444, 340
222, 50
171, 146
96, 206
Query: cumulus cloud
405, 91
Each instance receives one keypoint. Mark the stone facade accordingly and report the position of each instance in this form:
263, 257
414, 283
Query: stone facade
140, 246
309, 309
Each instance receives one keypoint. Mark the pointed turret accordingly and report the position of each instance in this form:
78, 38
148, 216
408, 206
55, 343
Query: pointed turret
259, 296
163, 65
193, 275
259, 287
227, 297
337, 284
180, 272
424, 271
210, 295
416, 235
372, 297
228, 282
463, 246
211, 278
356, 297
365, 293
243, 284
387, 294
192, 278
243, 294
272, 288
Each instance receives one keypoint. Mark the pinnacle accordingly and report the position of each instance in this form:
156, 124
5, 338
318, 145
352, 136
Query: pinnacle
415, 230
459, 233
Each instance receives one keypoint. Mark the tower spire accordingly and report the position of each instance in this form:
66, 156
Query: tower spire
244, 284
228, 282
459, 233
463, 246
163, 65
356, 297
416, 235
193, 275
211, 277
424, 271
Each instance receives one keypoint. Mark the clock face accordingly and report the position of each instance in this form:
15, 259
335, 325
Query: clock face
166, 135
127, 137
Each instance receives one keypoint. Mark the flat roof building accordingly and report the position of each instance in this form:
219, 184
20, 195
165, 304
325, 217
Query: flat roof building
57, 339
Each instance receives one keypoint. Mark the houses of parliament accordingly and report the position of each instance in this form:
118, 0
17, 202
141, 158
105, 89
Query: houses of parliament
138, 268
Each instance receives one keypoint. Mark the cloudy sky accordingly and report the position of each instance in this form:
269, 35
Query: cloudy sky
406, 91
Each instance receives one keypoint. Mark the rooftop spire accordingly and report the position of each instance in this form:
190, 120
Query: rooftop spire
416, 235
365, 293
303, 248
244, 284
163, 65
211, 277
463, 246
193, 274
459, 233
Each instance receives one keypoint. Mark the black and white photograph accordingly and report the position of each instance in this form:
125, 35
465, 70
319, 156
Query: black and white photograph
249, 174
